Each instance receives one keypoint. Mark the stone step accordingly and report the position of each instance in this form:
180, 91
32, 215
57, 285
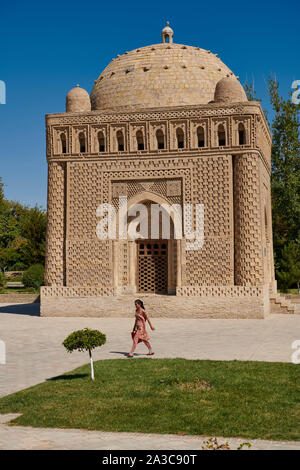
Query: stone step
280, 304
294, 298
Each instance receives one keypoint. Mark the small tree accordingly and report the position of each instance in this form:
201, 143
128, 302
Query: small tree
85, 340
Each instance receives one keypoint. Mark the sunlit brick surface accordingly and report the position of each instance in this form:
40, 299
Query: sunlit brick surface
161, 132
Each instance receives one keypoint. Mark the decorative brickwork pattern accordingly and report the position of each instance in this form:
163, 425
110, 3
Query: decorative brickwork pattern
156, 135
212, 265
60, 291
55, 259
88, 258
263, 139
89, 263
124, 264
167, 123
170, 189
212, 186
220, 291
247, 221
85, 195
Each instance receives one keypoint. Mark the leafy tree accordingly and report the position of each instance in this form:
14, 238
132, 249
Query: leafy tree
285, 182
289, 272
85, 340
33, 231
18, 266
22, 234
8, 225
285, 169
2, 281
1, 193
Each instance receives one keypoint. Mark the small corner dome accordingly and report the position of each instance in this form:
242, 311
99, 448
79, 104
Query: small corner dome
78, 100
229, 90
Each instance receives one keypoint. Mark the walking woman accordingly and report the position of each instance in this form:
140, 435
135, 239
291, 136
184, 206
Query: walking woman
139, 333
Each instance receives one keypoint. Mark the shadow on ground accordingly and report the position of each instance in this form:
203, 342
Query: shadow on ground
22, 309
126, 353
68, 377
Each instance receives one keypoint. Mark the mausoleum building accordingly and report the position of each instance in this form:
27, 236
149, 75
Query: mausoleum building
167, 125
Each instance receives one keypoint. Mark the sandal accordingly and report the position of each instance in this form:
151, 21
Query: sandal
129, 355
150, 353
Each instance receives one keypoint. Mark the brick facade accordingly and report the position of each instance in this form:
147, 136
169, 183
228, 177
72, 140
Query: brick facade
172, 153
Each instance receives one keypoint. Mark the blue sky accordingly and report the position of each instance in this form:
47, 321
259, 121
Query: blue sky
49, 47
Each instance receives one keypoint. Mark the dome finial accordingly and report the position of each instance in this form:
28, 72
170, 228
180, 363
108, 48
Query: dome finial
167, 32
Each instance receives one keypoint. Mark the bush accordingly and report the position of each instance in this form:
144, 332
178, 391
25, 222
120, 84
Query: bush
2, 281
34, 276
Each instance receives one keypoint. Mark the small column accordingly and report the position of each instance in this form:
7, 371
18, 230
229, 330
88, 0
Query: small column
115, 251
179, 261
132, 247
170, 267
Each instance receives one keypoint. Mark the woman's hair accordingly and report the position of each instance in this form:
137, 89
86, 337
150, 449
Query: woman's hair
138, 301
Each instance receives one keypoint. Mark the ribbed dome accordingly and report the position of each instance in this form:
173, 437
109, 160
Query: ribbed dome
160, 75
229, 90
78, 100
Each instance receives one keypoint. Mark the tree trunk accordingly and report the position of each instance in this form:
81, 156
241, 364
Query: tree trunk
92, 365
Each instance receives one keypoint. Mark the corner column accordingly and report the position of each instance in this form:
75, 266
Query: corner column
248, 268
55, 238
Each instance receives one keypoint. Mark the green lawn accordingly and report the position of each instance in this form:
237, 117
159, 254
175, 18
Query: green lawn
19, 290
239, 399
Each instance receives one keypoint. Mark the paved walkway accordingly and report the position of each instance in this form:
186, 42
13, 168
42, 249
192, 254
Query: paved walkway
27, 438
34, 351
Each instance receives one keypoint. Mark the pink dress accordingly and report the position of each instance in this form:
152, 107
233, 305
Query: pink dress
141, 333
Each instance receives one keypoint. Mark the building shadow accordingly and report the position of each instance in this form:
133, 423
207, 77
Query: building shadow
32, 310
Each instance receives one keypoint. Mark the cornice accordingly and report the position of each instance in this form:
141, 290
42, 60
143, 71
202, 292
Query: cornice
211, 109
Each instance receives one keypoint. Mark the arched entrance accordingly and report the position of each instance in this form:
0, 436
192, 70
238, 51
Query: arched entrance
153, 262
